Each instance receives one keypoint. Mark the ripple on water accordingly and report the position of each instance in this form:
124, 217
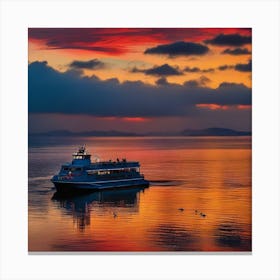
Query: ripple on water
231, 235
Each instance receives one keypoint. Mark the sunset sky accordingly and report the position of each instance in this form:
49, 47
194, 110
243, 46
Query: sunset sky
139, 79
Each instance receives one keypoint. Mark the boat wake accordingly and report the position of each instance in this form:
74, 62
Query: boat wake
35, 179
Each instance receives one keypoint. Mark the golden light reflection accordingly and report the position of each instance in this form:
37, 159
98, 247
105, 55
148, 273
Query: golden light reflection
217, 185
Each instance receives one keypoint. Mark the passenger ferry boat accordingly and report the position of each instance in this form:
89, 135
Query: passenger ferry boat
82, 174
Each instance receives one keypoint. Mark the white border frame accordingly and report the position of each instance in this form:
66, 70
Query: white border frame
17, 16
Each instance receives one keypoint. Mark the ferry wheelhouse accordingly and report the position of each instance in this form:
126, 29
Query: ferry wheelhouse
83, 174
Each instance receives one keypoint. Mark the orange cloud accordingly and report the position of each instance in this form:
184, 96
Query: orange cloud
213, 106
136, 119
223, 107
125, 119
244, 107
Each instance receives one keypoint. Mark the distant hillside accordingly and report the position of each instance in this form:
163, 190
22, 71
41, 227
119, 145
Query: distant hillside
215, 131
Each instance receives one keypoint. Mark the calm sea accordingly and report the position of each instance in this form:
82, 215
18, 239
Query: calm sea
209, 175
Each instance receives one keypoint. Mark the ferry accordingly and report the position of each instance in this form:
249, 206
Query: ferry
84, 175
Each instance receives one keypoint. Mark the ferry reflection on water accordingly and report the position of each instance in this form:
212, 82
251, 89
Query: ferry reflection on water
81, 205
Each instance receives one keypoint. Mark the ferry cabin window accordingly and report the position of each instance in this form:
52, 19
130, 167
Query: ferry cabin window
103, 172
73, 169
117, 171
78, 157
81, 157
131, 170
91, 173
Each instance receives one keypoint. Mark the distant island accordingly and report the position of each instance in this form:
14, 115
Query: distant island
215, 131
212, 131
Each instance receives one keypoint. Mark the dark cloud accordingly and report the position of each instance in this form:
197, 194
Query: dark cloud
225, 67
162, 81
90, 64
191, 83
247, 67
201, 82
179, 48
102, 49
51, 91
236, 51
204, 80
192, 70
226, 85
198, 70
241, 67
163, 70
208, 70
229, 40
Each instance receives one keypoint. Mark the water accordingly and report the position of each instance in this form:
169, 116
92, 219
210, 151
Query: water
208, 175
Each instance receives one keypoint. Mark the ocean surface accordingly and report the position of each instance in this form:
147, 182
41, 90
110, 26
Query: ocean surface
199, 199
